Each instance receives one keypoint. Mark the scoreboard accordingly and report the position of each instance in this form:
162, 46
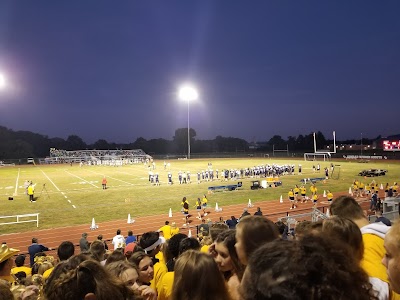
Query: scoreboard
391, 145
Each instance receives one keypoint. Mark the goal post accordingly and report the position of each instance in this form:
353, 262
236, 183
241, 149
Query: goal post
321, 156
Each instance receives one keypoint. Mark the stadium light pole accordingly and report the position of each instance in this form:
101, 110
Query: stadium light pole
188, 93
2, 81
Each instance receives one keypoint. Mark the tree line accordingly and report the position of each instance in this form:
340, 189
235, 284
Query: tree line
22, 144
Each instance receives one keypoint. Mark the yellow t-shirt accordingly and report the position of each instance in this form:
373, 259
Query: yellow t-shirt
47, 273
160, 270
27, 270
205, 248
164, 290
166, 230
174, 231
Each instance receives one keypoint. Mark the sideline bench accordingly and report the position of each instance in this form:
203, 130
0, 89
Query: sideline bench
229, 187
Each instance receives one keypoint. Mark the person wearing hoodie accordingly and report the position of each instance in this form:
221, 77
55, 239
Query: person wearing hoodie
373, 236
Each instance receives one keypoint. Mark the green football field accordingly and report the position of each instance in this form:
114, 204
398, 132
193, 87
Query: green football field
70, 195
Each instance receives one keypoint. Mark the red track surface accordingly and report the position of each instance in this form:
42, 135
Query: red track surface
53, 237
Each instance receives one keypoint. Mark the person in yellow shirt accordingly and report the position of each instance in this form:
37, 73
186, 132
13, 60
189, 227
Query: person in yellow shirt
204, 205
315, 199
313, 189
291, 199
19, 266
373, 236
329, 196
166, 230
296, 191
164, 290
303, 192
174, 229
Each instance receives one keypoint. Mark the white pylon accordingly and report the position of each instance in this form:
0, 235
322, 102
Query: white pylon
130, 220
190, 233
217, 209
305, 180
170, 213
381, 186
350, 191
328, 213
93, 226
250, 204
324, 195
281, 199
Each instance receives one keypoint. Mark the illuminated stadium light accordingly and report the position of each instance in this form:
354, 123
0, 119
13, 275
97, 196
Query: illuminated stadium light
2, 81
188, 93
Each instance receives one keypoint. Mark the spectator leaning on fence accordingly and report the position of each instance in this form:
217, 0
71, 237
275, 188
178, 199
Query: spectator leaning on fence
36, 248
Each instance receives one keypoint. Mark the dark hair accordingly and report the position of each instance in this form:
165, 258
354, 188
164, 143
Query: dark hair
34, 240
20, 260
118, 231
216, 229
148, 239
314, 267
256, 230
65, 250
173, 244
116, 255
188, 243
347, 207
130, 233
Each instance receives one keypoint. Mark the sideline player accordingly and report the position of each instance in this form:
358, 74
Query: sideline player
204, 205
104, 183
185, 210
291, 199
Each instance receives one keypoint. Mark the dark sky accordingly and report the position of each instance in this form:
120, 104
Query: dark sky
111, 69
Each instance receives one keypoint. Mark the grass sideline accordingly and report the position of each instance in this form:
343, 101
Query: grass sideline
72, 195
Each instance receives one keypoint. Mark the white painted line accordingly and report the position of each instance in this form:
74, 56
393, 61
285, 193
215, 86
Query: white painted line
16, 183
69, 201
82, 179
62, 193
73, 206
65, 197
50, 180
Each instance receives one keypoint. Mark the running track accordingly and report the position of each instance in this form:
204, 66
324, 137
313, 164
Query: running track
52, 238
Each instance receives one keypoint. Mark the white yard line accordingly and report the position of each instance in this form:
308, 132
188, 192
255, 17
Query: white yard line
57, 187
16, 182
50, 180
111, 177
82, 179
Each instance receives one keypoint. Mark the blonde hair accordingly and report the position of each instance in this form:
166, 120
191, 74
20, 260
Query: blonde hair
189, 280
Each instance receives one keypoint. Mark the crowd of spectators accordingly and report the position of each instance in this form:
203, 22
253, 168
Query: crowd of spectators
342, 257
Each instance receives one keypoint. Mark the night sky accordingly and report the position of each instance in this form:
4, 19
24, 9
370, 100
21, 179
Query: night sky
111, 69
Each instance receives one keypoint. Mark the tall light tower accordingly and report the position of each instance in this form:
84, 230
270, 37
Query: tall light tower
188, 93
2, 81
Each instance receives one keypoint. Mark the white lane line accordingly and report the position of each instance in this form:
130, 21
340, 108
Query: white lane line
69, 201
82, 179
63, 193
50, 180
111, 177
16, 182
73, 206
65, 197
